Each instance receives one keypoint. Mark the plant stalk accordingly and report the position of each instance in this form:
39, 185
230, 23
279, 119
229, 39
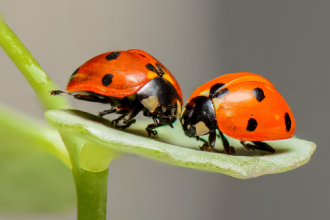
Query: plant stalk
91, 193
30, 68
91, 187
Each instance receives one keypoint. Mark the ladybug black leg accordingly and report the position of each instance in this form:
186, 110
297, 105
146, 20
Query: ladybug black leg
258, 145
129, 118
212, 138
117, 120
208, 146
202, 139
228, 149
150, 128
127, 123
247, 146
106, 112
263, 146
205, 145
89, 98
59, 92
159, 121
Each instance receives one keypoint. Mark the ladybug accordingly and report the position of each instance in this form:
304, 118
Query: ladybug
244, 106
130, 81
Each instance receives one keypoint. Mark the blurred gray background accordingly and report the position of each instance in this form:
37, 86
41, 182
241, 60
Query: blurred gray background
285, 41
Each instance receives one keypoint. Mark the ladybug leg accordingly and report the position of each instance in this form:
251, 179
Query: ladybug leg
89, 98
129, 118
159, 121
59, 92
150, 128
126, 117
263, 146
117, 109
247, 146
258, 145
117, 120
208, 146
202, 139
106, 112
205, 143
212, 138
228, 149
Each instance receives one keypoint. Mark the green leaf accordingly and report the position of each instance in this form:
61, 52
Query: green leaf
27, 133
31, 179
172, 146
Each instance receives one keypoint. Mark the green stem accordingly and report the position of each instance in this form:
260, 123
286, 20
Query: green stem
91, 187
91, 193
30, 68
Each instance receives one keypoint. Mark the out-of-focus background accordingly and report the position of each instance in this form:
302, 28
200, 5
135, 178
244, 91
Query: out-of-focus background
285, 41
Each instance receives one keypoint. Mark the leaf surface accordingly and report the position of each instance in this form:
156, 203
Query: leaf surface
172, 146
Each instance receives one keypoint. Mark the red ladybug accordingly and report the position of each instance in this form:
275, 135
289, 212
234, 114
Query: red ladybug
130, 81
244, 106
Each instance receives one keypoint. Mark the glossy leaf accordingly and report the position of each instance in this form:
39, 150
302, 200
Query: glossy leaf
172, 146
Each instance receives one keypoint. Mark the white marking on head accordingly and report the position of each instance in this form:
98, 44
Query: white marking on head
178, 108
151, 103
205, 93
201, 129
188, 126
216, 102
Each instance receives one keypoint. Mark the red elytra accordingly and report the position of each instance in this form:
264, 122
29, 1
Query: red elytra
128, 70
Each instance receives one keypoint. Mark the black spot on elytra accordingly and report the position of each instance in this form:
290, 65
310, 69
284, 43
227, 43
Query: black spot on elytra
73, 74
107, 79
221, 93
287, 122
160, 70
215, 88
112, 56
258, 94
252, 124
151, 68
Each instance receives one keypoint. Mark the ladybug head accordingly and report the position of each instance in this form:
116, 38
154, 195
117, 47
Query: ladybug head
198, 117
160, 99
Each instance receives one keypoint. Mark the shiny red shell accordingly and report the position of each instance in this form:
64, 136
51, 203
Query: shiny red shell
118, 74
251, 109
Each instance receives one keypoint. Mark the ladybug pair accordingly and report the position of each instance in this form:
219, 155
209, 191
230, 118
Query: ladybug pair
244, 105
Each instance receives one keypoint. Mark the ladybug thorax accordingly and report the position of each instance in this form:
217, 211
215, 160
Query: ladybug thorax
160, 98
198, 117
